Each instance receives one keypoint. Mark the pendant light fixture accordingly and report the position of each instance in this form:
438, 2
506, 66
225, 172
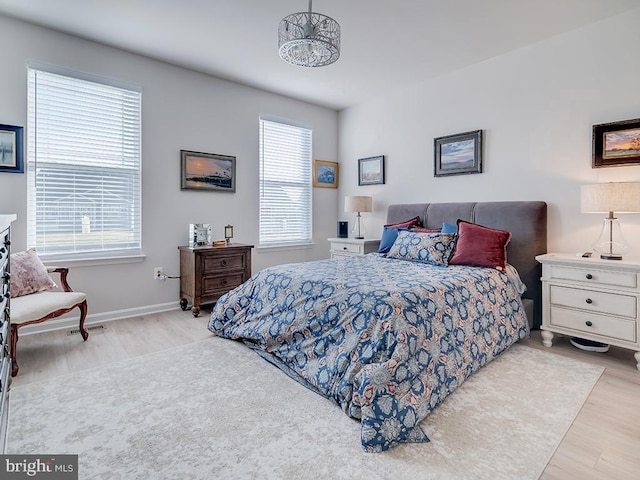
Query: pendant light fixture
309, 39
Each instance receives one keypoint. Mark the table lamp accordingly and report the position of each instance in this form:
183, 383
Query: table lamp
619, 197
358, 204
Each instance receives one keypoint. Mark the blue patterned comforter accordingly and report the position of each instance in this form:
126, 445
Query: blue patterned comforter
386, 339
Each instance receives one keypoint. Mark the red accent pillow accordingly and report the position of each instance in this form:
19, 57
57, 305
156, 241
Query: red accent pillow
480, 246
414, 222
425, 230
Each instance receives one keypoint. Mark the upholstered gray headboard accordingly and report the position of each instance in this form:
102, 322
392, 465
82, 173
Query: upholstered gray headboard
527, 222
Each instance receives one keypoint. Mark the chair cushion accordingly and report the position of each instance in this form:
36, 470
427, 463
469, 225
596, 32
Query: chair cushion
38, 305
28, 274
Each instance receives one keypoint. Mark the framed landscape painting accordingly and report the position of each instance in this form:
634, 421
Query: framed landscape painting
207, 171
11, 151
371, 170
616, 144
325, 174
458, 154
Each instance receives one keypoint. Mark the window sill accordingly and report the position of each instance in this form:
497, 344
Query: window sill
92, 262
285, 246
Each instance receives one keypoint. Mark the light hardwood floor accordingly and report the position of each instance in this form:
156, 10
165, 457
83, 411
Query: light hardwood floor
602, 443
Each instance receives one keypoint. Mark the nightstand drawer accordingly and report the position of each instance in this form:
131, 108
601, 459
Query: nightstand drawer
219, 285
591, 300
347, 247
216, 263
614, 328
595, 276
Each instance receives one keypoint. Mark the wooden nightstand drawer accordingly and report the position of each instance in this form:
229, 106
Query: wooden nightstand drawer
220, 285
594, 276
594, 324
217, 263
593, 301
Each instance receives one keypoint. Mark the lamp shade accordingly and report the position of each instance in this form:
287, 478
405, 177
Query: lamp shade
358, 204
619, 197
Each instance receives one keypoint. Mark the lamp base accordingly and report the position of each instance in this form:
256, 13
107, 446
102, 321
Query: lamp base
359, 238
610, 244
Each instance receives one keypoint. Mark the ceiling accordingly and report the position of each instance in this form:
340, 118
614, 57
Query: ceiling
386, 44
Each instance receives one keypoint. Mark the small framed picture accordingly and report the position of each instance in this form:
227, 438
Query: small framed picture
371, 170
616, 144
325, 174
207, 171
11, 149
458, 154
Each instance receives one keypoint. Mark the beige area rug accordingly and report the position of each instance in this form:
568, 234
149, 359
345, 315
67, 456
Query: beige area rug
215, 410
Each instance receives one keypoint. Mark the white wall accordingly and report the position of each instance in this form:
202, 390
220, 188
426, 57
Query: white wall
181, 109
536, 106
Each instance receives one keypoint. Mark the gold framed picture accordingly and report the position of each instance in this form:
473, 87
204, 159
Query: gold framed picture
325, 174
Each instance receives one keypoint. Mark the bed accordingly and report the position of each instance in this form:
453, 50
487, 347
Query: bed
389, 339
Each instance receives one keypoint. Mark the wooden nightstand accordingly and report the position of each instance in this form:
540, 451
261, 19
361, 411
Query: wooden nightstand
591, 298
207, 273
345, 247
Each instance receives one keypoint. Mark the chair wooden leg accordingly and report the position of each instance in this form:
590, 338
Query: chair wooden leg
83, 316
14, 345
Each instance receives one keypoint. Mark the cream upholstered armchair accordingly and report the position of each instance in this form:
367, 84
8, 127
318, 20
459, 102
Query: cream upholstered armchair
34, 300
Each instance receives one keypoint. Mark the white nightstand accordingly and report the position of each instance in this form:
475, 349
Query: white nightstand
345, 247
591, 298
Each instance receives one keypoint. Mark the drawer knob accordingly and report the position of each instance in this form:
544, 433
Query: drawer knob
588, 323
344, 248
589, 276
223, 263
224, 281
589, 301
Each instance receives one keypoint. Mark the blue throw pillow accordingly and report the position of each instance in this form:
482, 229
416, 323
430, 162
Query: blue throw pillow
389, 236
449, 228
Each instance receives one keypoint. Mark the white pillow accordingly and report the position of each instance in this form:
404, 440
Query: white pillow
28, 274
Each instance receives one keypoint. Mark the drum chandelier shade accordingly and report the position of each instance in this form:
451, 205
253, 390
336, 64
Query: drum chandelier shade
309, 39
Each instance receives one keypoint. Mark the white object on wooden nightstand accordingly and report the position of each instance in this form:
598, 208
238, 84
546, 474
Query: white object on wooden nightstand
591, 298
345, 247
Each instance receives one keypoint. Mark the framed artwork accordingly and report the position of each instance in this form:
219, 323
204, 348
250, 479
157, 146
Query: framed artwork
371, 170
325, 174
616, 144
458, 154
11, 149
207, 171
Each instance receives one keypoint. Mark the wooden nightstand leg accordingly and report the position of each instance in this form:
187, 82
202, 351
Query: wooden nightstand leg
547, 337
637, 355
195, 311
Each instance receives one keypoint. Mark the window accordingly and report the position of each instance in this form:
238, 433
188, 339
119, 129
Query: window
83, 165
285, 184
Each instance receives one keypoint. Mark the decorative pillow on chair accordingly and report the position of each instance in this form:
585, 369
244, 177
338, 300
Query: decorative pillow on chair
390, 232
28, 274
479, 246
431, 248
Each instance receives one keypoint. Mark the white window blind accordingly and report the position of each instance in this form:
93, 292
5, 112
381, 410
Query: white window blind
83, 164
285, 184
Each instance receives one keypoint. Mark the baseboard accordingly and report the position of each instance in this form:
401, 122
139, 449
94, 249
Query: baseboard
71, 321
